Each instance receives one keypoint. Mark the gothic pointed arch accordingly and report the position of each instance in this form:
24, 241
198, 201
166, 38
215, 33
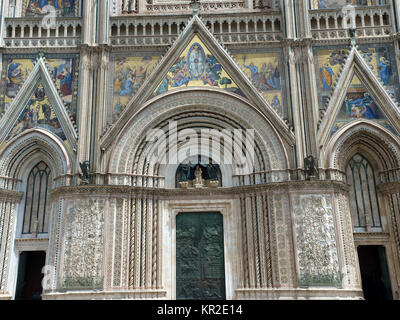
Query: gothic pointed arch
39, 86
196, 29
190, 109
30, 147
356, 67
378, 144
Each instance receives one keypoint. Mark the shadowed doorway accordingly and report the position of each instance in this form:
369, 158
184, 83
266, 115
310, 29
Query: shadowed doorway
374, 273
29, 283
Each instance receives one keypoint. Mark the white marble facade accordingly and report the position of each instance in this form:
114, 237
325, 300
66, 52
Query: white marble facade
110, 73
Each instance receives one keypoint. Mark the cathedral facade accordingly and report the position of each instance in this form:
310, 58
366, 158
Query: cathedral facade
213, 149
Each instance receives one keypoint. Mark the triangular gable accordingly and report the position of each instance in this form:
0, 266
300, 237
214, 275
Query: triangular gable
358, 105
236, 74
63, 70
197, 67
38, 113
357, 73
38, 78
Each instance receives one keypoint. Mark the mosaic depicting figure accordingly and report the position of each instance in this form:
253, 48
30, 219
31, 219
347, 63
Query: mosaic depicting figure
363, 107
263, 69
129, 74
379, 59
62, 7
359, 104
38, 113
327, 4
196, 67
61, 70
16, 74
267, 77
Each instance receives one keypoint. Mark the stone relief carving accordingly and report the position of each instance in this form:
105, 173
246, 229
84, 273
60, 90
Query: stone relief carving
316, 246
83, 244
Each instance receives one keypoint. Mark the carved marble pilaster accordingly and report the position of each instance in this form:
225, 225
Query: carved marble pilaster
8, 212
83, 244
281, 240
315, 238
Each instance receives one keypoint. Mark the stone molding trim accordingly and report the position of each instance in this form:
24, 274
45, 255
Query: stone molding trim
11, 196
338, 148
122, 154
21, 147
115, 191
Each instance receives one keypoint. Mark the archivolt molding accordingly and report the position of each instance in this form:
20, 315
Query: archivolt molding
38, 74
196, 27
355, 64
382, 146
21, 148
122, 156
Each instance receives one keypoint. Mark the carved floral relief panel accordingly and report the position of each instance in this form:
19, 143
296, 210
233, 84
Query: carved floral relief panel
315, 237
83, 244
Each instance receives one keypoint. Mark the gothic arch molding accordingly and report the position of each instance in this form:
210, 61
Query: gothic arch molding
378, 144
211, 109
23, 149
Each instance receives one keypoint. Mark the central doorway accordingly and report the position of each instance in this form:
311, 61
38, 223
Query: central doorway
29, 281
200, 263
374, 273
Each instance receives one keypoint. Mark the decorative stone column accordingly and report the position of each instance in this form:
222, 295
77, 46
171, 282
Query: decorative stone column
8, 212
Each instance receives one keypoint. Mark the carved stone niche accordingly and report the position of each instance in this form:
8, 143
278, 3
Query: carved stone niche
189, 175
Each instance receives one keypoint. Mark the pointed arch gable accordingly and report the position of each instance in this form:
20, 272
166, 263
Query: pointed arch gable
356, 65
196, 27
15, 157
366, 137
39, 75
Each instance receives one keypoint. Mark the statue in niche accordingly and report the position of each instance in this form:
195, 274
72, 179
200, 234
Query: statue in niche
85, 176
198, 180
198, 175
129, 6
310, 167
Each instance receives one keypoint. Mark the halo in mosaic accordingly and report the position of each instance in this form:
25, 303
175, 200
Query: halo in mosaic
197, 67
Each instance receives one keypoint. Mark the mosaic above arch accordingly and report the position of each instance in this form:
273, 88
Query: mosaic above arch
328, 4
38, 113
197, 67
63, 70
65, 8
265, 71
127, 75
359, 104
381, 60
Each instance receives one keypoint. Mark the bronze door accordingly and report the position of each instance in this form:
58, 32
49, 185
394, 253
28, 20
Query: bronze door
200, 270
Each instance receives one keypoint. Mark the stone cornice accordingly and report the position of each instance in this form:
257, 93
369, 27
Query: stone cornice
389, 188
316, 186
10, 195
